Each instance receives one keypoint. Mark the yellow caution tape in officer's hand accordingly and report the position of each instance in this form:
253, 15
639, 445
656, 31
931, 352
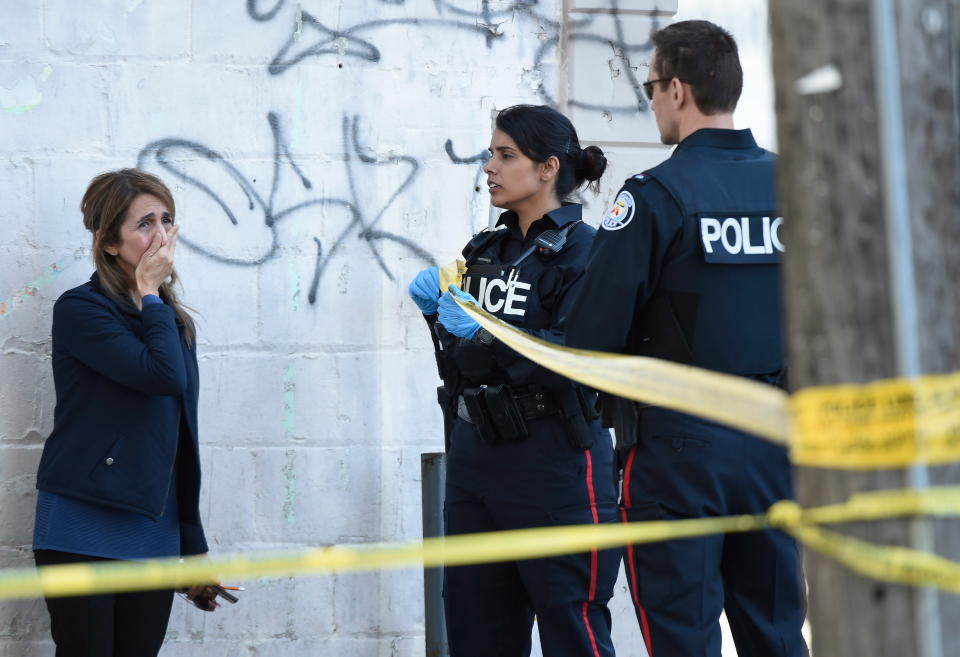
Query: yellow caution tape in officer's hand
452, 274
887, 424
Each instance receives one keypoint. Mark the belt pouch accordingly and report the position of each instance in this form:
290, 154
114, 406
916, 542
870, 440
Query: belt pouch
621, 415
575, 425
504, 413
578, 431
588, 402
474, 400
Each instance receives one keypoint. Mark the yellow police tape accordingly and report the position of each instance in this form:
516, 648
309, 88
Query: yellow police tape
886, 563
888, 424
891, 423
892, 564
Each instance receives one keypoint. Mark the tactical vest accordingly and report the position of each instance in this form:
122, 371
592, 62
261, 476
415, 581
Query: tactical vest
520, 292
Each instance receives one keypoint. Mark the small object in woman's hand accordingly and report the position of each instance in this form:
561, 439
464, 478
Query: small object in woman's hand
229, 597
202, 597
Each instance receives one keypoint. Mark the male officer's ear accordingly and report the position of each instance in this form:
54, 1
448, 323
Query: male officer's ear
679, 93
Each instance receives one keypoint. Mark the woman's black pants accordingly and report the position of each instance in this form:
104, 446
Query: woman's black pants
111, 625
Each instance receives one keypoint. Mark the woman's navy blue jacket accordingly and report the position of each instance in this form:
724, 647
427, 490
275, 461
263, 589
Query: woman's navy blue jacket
122, 377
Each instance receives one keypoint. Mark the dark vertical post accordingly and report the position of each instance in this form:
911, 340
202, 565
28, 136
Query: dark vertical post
867, 102
433, 469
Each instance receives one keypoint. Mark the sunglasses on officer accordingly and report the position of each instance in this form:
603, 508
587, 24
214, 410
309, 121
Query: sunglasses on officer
648, 86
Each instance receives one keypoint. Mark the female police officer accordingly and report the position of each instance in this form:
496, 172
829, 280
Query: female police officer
525, 449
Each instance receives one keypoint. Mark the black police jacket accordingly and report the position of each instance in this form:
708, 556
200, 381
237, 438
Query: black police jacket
685, 265
122, 379
533, 295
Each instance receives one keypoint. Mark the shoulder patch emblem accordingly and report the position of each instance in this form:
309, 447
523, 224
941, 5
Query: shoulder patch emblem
620, 214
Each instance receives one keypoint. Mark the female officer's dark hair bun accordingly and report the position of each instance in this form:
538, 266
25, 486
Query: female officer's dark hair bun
592, 163
541, 132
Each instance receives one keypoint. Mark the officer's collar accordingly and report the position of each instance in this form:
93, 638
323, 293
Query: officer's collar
719, 138
565, 214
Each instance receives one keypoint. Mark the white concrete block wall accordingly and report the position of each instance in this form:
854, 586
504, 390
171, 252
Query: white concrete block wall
334, 134
607, 56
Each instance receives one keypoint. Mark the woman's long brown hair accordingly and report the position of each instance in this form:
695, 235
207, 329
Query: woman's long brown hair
104, 207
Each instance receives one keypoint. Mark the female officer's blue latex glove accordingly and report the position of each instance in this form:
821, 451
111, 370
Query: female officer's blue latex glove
452, 316
425, 290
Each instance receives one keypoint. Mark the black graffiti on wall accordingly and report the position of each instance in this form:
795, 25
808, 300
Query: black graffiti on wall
176, 157
473, 159
314, 38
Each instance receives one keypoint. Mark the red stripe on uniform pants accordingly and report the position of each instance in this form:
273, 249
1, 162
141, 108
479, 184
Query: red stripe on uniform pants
586, 621
626, 476
631, 564
591, 494
641, 612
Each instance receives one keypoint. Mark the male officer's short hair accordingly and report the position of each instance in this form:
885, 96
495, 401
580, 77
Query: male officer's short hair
704, 56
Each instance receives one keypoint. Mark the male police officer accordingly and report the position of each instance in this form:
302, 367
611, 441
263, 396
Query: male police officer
686, 268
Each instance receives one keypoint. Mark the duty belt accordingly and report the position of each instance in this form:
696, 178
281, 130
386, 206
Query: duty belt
532, 401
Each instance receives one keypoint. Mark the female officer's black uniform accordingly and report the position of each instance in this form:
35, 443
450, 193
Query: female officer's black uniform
525, 450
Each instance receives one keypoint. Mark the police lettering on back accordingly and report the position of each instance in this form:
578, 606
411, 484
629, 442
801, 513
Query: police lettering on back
499, 295
741, 240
